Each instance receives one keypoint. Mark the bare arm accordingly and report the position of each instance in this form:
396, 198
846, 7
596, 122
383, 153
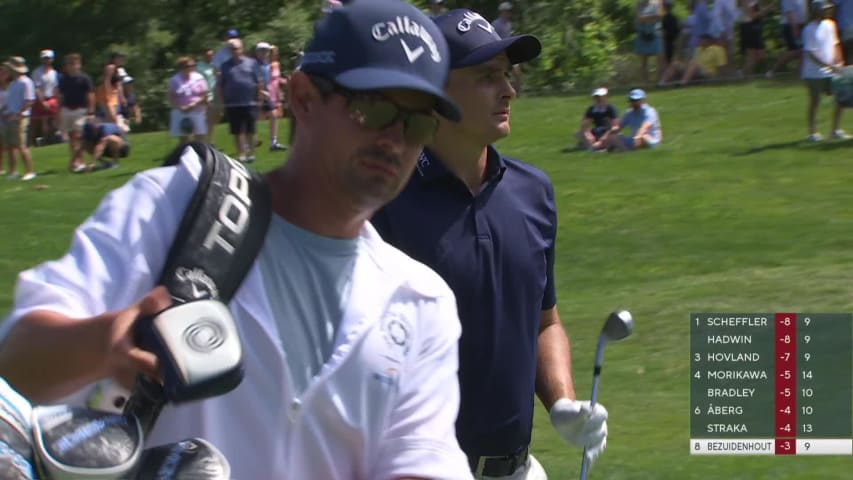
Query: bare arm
90, 99
47, 355
553, 360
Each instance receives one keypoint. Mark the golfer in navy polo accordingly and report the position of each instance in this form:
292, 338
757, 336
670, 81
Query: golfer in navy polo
487, 224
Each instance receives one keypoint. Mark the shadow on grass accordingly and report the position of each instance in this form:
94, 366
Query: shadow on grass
826, 145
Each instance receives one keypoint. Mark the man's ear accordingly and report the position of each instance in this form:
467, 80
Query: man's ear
303, 95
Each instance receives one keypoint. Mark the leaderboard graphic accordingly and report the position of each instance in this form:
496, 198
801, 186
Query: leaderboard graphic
771, 384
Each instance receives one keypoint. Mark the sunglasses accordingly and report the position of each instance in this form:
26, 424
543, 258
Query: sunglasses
375, 112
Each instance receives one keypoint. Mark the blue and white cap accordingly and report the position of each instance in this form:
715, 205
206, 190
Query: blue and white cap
379, 44
473, 40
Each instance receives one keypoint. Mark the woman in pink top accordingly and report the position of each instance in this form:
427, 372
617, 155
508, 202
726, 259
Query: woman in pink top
188, 97
274, 91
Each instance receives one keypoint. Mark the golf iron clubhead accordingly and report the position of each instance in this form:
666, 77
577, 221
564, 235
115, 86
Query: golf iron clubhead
81, 444
618, 326
16, 443
191, 459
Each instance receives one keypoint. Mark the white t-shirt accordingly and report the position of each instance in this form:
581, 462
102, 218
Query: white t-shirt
382, 407
45, 82
819, 38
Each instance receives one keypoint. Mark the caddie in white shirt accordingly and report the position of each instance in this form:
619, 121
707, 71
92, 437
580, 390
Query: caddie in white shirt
350, 346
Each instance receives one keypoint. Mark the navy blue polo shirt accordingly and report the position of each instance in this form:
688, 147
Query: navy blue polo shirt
496, 251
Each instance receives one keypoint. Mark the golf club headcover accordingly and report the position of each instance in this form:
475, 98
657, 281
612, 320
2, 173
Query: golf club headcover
16, 444
199, 349
192, 459
81, 444
581, 425
221, 233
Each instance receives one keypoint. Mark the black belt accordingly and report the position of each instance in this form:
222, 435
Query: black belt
498, 466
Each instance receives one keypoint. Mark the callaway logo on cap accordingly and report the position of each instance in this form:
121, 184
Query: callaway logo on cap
473, 40
383, 31
380, 44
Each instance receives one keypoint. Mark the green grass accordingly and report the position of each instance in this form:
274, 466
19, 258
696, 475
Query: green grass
733, 213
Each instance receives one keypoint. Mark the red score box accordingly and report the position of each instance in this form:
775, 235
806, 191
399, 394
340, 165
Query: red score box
786, 379
786, 447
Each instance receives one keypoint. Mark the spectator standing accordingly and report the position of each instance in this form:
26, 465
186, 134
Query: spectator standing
503, 27
223, 53
792, 19
649, 41
19, 100
217, 108
725, 15
76, 101
208, 71
597, 122
240, 85
643, 122
274, 89
108, 94
752, 35
436, 7
4, 86
821, 58
46, 108
188, 98
844, 19
702, 25
262, 62
671, 30
131, 110
503, 24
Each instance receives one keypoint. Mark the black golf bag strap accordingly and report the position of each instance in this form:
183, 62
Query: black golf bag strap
222, 231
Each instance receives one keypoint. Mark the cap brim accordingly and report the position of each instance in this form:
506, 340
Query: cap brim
519, 49
380, 78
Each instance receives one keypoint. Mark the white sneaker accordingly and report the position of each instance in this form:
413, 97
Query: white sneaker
815, 137
28, 176
12, 176
840, 135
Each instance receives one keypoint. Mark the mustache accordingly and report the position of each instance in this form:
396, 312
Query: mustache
376, 153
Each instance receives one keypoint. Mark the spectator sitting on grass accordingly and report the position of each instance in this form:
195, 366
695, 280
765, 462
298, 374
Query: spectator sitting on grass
705, 64
104, 140
599, 118
644, 123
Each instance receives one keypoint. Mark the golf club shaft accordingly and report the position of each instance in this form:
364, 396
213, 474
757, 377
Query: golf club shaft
146, 402
596, 375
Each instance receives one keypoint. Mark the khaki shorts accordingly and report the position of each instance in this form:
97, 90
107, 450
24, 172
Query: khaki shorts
15, 132
72, 120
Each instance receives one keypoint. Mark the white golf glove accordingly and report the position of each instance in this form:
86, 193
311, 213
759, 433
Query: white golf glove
581, 425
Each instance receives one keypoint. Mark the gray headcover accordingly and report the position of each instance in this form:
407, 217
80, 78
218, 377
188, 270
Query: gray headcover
76, 443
